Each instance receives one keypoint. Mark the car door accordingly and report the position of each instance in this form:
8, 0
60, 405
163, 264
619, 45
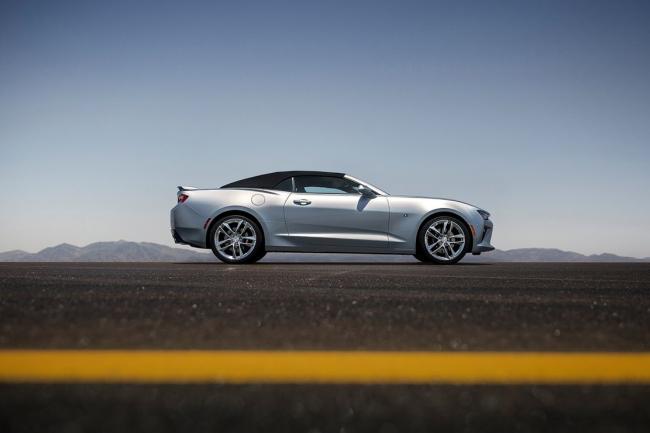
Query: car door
327, 213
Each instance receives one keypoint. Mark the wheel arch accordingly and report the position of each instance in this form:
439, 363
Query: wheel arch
446, 212
234, 211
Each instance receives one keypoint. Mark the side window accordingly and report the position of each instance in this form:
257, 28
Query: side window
325, 185
285, 185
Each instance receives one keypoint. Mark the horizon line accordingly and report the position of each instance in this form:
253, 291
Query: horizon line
179, 247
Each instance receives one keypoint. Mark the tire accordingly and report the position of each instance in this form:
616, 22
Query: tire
237, 239
421, 256
442, 240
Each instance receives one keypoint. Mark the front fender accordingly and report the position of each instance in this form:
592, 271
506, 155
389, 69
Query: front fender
409, 213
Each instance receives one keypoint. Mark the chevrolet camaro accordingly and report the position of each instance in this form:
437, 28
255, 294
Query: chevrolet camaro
314, 211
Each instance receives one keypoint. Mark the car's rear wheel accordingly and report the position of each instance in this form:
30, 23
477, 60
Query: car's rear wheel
237, 239
442, 240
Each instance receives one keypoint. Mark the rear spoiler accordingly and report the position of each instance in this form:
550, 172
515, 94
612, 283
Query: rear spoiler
186, 188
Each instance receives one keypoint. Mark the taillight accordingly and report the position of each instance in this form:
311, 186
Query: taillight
182, 198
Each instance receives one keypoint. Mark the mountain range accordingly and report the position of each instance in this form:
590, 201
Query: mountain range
126, 251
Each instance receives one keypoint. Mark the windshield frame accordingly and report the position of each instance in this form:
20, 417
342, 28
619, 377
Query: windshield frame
378, 191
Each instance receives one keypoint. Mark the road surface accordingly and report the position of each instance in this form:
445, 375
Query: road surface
470, 309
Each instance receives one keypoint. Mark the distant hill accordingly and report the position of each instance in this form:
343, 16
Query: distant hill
551, 255
125, 251
13, 256
119, 251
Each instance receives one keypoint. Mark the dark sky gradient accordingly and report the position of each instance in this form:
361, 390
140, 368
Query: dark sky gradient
539, 112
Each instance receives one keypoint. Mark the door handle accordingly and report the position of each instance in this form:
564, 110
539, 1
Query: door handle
302, 202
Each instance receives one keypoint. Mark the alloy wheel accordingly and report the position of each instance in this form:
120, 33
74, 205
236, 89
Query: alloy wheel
444, 240
235, 239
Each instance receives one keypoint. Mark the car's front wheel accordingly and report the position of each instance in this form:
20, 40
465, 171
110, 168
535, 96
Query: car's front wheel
442, 240
237, 239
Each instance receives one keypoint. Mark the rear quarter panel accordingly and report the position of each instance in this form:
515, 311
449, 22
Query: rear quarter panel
264, 205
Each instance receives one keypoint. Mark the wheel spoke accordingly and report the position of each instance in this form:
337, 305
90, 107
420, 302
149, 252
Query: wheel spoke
227, 229
451, 251
431, 247
223, 247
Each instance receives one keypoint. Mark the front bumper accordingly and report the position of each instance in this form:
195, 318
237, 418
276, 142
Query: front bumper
483, 239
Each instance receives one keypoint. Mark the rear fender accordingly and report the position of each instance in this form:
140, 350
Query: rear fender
239, 210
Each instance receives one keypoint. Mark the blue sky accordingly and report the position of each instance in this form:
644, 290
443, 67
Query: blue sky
536, 111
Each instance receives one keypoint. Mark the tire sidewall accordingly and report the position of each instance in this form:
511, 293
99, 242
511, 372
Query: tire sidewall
258, 251
424, 255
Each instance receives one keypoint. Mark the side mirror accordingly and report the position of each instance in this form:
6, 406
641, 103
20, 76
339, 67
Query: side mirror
365, 191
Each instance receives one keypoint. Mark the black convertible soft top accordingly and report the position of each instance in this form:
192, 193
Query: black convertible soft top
270, 180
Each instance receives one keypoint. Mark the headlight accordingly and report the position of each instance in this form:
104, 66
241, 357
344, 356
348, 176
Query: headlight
484, 214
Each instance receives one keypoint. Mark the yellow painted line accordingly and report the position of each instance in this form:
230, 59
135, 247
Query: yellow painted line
194, 366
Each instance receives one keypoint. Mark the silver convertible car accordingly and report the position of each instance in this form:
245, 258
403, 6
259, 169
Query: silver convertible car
315, 211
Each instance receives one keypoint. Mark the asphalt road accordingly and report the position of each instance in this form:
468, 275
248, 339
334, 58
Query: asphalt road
396, 307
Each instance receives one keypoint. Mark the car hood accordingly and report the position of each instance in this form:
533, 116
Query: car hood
436, 198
